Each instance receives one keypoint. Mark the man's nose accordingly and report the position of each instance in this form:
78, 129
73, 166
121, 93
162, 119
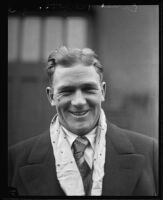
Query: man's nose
78, 99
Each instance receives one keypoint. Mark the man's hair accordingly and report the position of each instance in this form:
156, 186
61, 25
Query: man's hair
67, 57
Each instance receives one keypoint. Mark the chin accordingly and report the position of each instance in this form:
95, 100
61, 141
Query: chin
82, 131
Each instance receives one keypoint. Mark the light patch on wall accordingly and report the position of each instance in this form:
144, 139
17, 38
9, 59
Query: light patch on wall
53, 35
76, 32
13, 30
31, 39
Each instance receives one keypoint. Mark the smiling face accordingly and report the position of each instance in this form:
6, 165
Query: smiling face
77, 94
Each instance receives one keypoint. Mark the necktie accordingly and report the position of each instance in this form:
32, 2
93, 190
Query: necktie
79, 147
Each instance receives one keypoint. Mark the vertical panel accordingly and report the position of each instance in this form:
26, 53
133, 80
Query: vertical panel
53, 35
128, 48
76, 32
13, 26
31, 39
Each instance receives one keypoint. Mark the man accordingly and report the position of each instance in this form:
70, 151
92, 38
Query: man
82, 153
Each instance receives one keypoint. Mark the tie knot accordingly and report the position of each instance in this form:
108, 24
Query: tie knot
80, 144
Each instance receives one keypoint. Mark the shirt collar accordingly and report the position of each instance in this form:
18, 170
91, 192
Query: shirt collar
71, 136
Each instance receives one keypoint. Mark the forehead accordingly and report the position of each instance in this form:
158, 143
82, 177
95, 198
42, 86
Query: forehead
75, 75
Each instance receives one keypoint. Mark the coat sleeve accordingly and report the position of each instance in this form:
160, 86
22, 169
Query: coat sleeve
155, 164
10, 167
16, 158
147, 183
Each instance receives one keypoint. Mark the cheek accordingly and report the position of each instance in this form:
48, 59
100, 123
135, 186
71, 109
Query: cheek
62, 104
95, 100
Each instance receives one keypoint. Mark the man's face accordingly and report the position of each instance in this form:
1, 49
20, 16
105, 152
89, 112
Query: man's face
77, 94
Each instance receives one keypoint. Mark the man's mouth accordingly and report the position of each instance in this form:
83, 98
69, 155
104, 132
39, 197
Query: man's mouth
79, 113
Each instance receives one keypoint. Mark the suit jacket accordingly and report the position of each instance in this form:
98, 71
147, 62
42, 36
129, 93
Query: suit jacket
131, 165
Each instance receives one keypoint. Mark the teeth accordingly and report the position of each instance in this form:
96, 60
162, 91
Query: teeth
79, 113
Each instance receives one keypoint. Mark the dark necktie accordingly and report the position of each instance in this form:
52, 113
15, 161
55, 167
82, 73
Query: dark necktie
79, 147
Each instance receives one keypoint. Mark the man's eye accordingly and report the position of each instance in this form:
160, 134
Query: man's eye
66, 93
91, 90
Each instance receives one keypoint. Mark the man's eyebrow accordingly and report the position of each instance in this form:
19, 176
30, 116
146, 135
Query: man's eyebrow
65, 88
90, 85
72, 87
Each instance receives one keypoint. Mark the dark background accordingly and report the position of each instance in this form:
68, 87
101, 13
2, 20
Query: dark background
126, 38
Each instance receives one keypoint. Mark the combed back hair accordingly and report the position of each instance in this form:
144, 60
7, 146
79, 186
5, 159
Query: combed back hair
68, 57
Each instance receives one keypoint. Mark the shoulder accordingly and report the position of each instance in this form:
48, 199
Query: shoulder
21, 150
140, 142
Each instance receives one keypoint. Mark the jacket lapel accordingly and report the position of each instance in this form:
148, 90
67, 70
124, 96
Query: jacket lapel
122, 164
39, 176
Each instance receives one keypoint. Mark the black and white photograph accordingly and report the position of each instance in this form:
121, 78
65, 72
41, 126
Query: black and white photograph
83, 100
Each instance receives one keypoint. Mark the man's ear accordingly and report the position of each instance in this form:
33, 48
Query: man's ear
103, 89
50, 96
